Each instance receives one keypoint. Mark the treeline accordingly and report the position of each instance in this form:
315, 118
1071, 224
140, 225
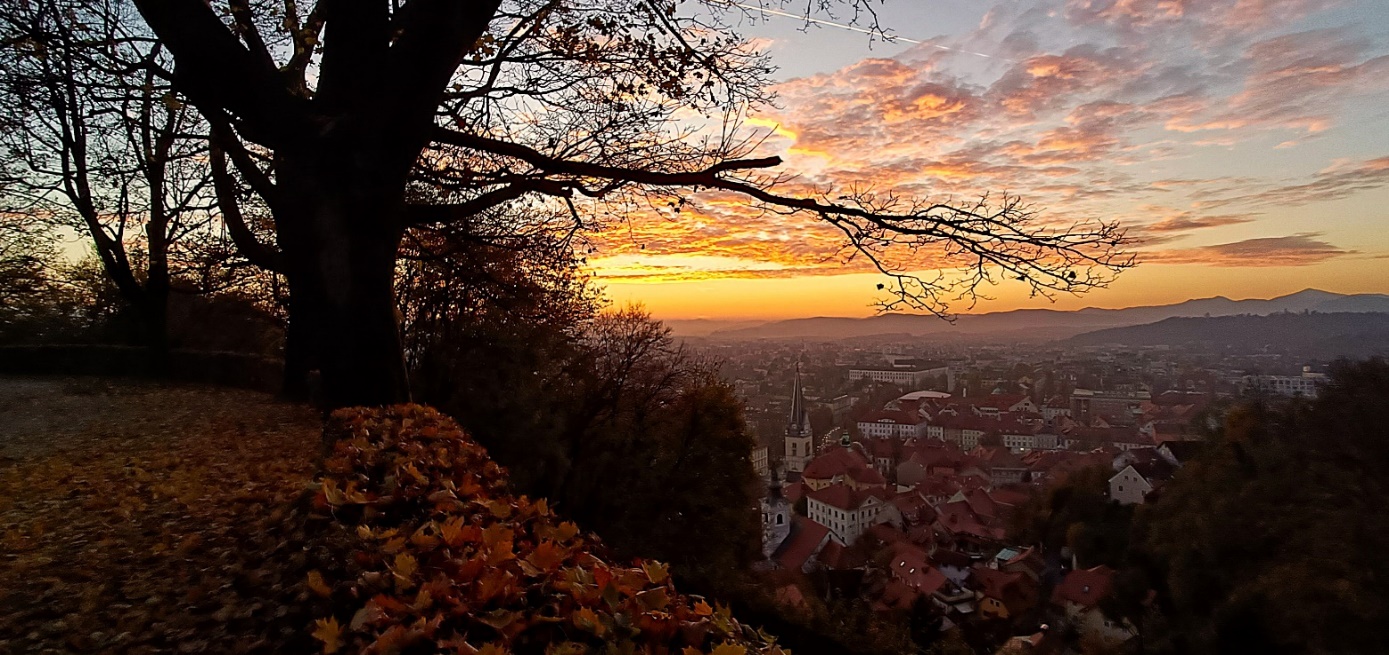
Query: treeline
1269, 541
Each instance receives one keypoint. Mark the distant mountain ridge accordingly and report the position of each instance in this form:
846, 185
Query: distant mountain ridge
1314, 334
1048, 324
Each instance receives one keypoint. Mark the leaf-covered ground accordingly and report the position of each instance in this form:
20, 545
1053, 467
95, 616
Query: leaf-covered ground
146, 518
139, 518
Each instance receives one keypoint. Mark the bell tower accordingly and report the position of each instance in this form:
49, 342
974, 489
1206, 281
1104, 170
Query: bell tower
800, 447
776, 518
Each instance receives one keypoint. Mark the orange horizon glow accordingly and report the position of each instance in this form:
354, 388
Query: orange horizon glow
852, 295
1266, 174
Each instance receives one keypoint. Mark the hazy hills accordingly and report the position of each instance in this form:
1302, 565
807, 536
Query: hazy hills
1314, 334
1038, 324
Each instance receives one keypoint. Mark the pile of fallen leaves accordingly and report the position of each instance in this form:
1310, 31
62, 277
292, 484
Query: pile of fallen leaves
445, 559
147, 518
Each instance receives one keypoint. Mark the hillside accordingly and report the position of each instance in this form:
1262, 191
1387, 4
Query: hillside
151, 518
1343, 334
1047, 324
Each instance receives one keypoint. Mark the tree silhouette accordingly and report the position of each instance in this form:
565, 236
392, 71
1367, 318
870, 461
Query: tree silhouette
354, 121
97, 142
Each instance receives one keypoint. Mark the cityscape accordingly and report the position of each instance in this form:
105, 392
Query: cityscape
694, 327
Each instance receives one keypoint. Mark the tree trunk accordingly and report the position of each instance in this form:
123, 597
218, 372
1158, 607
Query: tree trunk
300, 356
156, 318
341, 240
155, 309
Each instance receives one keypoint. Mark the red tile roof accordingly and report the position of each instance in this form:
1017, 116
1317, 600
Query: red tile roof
1084, 587
910, 564
897, 595
805, 538
849, 462
996, 584
912, 506
845, 497
1002, 401
886, 534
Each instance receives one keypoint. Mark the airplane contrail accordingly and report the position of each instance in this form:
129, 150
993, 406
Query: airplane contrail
844, 26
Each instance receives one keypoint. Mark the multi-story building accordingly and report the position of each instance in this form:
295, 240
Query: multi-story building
911, 378
889, 423
1284, 385
846, 511
759, 461
1087, 404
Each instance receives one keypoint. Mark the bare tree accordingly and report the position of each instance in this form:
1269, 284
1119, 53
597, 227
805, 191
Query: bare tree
355, 120
97, 141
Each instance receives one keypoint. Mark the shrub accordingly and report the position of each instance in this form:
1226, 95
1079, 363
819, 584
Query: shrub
445, 559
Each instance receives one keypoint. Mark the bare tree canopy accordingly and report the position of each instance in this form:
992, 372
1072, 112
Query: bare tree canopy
96, 141
355, 121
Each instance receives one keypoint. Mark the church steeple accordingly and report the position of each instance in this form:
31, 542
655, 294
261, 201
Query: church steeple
799, 442
799, 425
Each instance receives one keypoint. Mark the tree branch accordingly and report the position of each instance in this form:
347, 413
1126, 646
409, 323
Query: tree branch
217, 73
251, 248
356, 38
435, 35
417, 215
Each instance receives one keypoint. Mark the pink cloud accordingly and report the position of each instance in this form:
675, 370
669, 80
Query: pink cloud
1294, 250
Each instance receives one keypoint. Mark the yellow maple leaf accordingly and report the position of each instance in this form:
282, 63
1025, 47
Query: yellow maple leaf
566, 531
317, 586
405, 567
655, 571
587, 619
330, 633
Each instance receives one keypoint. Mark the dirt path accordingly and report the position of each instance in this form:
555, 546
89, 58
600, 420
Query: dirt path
137, 517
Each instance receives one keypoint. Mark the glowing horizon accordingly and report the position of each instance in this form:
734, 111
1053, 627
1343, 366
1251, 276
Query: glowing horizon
1243, 142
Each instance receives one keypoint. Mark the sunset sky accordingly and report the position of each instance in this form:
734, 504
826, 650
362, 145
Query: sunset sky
1245, 143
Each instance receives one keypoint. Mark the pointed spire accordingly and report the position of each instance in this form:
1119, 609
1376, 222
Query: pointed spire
799, 425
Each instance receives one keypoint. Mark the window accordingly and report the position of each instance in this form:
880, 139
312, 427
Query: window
780, 519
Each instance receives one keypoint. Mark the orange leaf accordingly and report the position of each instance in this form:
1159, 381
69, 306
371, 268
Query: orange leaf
729, 648
702, 609
492, 583
547, 556
499, 509
424, 541
496, 533
330, 633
